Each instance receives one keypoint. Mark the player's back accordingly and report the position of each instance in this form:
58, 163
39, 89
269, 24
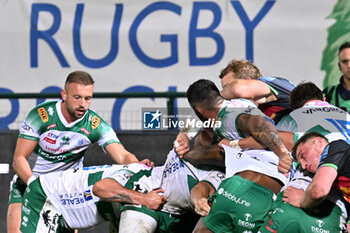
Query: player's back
318, 116
71, 191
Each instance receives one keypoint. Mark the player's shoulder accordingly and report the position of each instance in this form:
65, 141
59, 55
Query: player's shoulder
278, 81
46, 104
95, 119
42, 111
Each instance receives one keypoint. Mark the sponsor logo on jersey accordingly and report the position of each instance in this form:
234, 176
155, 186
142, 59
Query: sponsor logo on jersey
85, 131
318, 228
246, 223
52, 135
53, 150
233, 198
172, 167
95, 121
50, 110
26, 127
239, 155
50, 140
81, 142
272, 225
65, 140
75, 198
324, 109
43, 114
249, 109
26, 210
26, 202
87, 195
25, 220
218, 177
247, 216
51, 126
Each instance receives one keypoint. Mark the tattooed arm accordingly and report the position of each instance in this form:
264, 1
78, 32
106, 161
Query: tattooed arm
110, 190
266, 133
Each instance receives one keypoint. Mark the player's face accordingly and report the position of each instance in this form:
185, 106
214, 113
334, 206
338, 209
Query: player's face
227, 79
77, 99
308, 155
344, 62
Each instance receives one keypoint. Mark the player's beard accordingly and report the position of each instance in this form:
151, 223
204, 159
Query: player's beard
76, 113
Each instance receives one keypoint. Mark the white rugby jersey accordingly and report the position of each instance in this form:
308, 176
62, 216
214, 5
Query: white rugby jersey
177, 177
70, 192
262, 161
61, 145
317, 116
228, 114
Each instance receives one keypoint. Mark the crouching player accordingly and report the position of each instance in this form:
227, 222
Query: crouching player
237, 206
176, 177
81, 198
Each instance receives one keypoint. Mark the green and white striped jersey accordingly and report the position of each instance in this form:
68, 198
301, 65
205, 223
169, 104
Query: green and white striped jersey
61, 145
317, 116
71, 193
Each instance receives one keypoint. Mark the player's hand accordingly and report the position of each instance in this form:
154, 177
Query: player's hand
201, 207
293, 196
182, 144
147, 162
155, 199
285, 164
224, 142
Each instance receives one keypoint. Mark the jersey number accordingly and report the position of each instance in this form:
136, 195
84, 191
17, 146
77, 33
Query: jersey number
342, 126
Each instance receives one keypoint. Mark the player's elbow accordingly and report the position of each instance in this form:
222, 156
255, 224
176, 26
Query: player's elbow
98, 189
240, 92
15, 164
318, 192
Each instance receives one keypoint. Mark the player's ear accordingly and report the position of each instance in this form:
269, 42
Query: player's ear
64, 94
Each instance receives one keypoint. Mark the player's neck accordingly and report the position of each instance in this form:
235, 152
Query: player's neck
65, 113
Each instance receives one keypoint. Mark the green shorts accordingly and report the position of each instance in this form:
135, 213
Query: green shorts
286, 218
17, 187
239, 205
39, 214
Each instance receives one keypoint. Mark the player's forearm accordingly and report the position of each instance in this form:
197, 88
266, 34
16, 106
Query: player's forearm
119, 154
110, 190
205, 155
130, 158
151, 200
125, 158
319, 188
21, 167
310, 200
200, 191
263, 131
227, 93
118, 198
